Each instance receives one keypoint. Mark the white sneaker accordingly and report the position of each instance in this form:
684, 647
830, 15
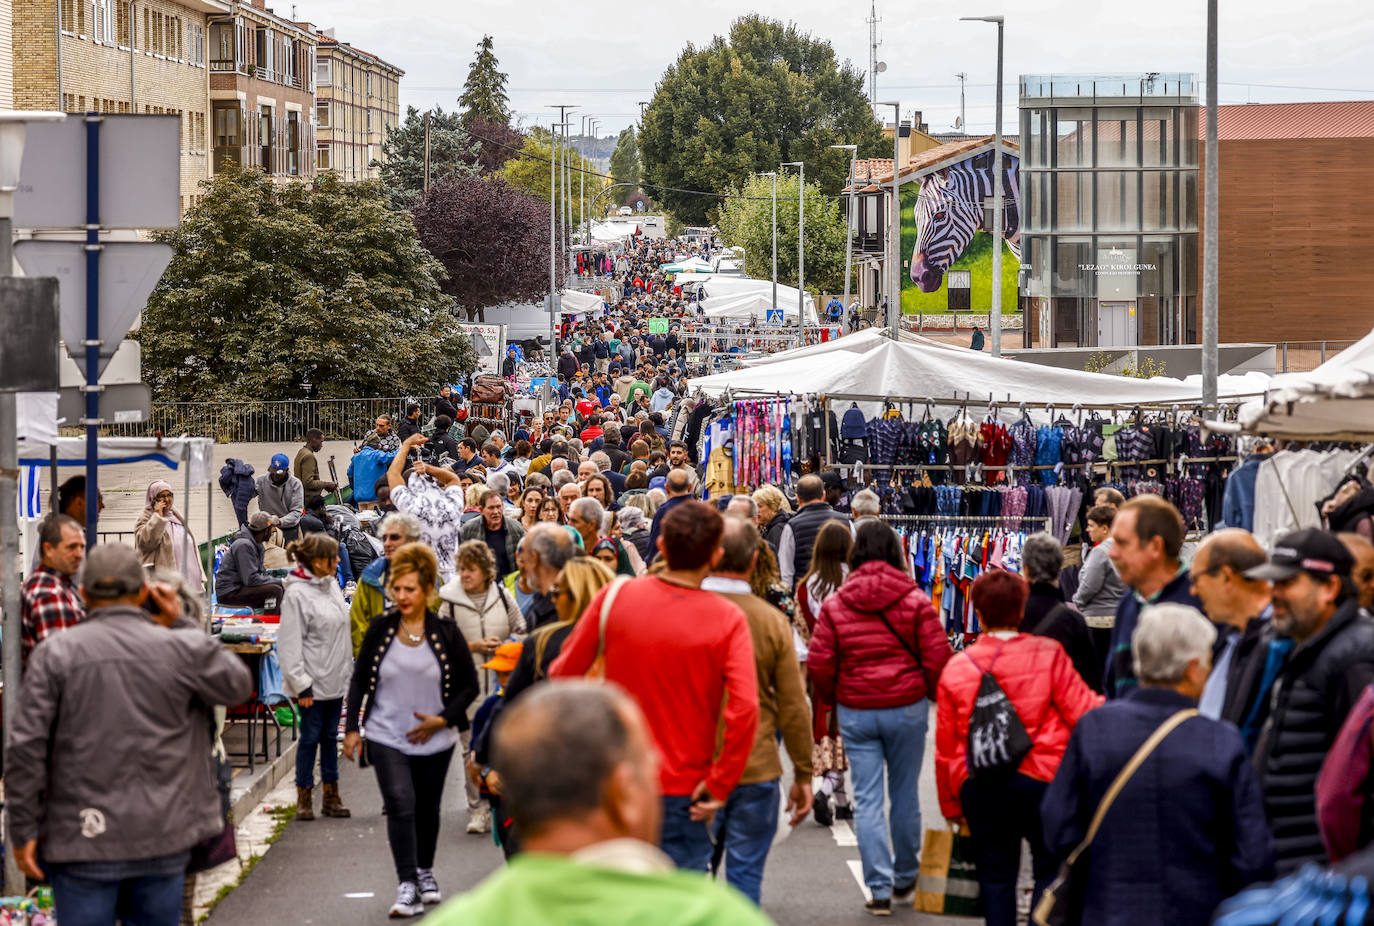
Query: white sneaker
479, 820
429, 887
408, 901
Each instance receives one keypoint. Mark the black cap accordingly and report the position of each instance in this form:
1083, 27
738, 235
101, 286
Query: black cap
1312, 550
832, 479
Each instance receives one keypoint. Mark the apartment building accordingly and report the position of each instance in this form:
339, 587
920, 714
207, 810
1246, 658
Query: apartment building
262, 91
357, 99
119, 56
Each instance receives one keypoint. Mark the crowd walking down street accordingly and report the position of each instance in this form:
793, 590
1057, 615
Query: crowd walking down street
568, 669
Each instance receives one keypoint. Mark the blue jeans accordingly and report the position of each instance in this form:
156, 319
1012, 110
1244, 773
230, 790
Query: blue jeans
319, 730
149, 900
686, 842
746, 826
891, 739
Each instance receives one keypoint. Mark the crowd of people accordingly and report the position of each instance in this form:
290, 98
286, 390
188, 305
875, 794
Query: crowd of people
1174, 728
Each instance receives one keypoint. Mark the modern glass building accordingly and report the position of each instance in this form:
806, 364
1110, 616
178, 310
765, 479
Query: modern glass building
1109, 190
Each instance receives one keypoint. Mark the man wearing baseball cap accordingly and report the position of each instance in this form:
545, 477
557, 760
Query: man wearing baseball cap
107, 780
1332, 661
282, 496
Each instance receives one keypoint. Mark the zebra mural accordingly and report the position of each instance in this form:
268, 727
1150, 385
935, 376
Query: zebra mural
949, 210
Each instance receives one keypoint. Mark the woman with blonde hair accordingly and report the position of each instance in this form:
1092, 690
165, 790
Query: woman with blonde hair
487, 616
774, 513
411, 667
315, 649
163, 539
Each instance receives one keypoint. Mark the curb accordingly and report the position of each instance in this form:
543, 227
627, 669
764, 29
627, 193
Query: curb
264, 781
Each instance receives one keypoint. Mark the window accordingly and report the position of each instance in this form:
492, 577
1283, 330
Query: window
323, 71
69, 14
322, 115
222, 47
229, 129
263, 42
265, 137
293, 142
370, 114
289, 62
123, 23
323, 161
369, 83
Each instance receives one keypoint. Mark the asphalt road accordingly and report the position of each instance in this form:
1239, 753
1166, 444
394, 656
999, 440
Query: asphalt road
339, 873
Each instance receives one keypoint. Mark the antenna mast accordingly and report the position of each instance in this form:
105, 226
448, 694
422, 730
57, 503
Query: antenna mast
963, 116
873, 44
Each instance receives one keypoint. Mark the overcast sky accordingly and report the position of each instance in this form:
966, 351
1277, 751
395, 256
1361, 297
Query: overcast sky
613, 54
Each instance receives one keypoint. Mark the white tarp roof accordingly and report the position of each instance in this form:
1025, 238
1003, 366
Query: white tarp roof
755, 305
735, 286
861, 342
576, 302
613, 231
1333, 402
912, 371
690, 265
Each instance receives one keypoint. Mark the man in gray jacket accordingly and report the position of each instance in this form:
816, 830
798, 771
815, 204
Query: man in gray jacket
281, 495
241, 579
108, 779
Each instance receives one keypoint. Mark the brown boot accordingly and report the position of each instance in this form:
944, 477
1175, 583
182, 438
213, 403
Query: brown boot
304, 802
332, 806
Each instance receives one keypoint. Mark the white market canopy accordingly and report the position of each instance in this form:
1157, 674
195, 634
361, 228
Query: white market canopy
613, 231
902, 370
1333, 402
755, 305
576, 302
690, 265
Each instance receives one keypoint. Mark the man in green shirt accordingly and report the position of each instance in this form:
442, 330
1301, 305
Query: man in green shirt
589, 853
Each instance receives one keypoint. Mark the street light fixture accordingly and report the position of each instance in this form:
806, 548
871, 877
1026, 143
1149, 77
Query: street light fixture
801, 244
995, 316
849, 220
774, 175
894, 234
553, 233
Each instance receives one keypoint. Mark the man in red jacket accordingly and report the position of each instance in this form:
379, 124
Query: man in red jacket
679, 651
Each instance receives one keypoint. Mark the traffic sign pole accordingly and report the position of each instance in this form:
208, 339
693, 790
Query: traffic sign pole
92, 345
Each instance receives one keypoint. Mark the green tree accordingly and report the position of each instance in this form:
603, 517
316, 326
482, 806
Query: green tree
746, 220
625, 158
530, 173
743, 104
453, 155
484, 92
273, 286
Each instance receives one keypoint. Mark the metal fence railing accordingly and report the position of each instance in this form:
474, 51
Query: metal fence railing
266, 422
1301, 356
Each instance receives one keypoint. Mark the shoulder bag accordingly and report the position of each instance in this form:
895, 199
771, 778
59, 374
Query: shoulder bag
915, 653
597, 671
1062, 902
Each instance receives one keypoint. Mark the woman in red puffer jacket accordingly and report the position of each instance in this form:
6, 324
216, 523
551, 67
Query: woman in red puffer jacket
1003, 807
876, 652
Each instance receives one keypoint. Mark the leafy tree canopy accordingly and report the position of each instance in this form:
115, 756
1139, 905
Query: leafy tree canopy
625, 158
746, 221
452, 154
484, 92
272, 286
497, 143
765, 94
530, 174
492, 239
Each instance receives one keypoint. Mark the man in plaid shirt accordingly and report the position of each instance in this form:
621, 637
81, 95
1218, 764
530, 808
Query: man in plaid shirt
51, 603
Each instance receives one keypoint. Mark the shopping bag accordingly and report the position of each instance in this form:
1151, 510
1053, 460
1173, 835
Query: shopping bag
948, 879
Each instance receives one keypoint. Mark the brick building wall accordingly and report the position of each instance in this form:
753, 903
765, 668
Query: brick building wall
161, 43
357, 103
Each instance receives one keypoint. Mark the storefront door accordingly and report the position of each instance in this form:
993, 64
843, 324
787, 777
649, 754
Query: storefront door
1116, 324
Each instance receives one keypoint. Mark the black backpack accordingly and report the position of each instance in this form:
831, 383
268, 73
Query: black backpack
997, 739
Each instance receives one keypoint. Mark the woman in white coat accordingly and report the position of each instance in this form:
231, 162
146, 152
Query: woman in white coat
487, 615
315, 648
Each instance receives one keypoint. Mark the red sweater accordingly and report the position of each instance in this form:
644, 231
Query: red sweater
678, 652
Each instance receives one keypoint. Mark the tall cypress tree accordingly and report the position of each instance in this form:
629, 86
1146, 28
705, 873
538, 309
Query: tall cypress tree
484, 92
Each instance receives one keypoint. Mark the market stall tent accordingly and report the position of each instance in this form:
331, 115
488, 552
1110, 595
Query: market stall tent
576, 302
755, 305
690, 265
1333, 402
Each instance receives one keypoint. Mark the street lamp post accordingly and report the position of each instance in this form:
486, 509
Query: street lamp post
801, 248
894, 234
1209, 222
849, 221
995, 316
774, 175
553, 239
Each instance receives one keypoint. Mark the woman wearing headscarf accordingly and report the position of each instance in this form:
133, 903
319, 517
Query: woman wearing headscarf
614, 553
163, 539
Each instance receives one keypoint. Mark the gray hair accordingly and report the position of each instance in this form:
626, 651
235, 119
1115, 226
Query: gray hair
562, 478
558, 465
408, 524
865, 503
751, 506
588, 508
601, 460
551, 543
1166, 639
499, 483
656, 498
631, 517
1041, 558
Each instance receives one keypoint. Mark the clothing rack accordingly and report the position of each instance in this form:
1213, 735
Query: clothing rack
989, 519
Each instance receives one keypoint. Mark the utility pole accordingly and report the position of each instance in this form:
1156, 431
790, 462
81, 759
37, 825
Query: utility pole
1209, 222
582, 184
553, 241
774, 175
995, 315
963, 115
801, 248
642, 105
873, 44
554, 193
426, 183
